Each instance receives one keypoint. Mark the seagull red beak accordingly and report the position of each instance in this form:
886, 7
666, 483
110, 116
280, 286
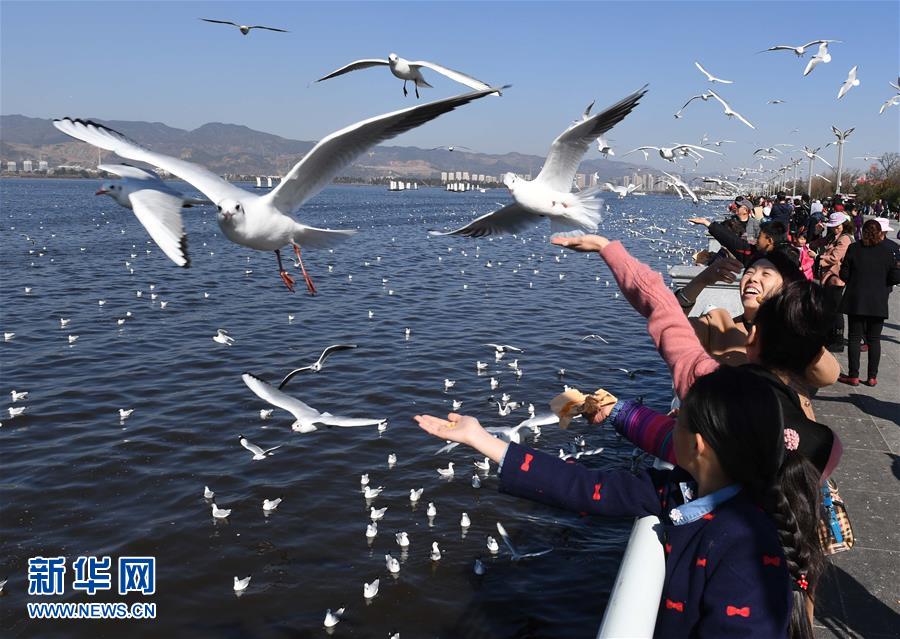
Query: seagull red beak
101, 192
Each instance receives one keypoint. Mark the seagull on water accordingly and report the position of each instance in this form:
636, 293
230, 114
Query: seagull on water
263, 222
431, 511
266, 413
415, 494
370, 590
516, 555
492, 545
710, 76
371, 530
731, 113
220, 513
258, 453
372, 493
393, 565
410, 71
435, 552
822, 56
549, 194
402, 539
364, 480
18, 395
207, 493
243, 28
446, 472
271, 504
333, 618
483, 465
316, 366
155, 204
464, 521
240, 585
849, 83
377, 513
305, 417
16, 411
222, 337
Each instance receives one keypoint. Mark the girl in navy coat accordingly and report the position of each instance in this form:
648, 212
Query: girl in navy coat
735, 512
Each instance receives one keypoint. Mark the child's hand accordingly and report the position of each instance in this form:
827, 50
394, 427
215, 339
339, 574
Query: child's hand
456, 428
582, 243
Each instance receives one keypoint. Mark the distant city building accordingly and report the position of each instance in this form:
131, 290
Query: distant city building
443, 177
11, 167
43, 165
459, 175
27, 166
481, 177
580, 180
465, 175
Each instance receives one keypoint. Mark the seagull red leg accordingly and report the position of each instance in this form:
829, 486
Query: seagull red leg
285, 276
309, 282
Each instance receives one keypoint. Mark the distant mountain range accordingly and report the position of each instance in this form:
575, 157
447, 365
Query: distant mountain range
238, 150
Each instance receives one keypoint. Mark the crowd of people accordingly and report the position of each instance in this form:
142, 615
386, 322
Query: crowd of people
746, 506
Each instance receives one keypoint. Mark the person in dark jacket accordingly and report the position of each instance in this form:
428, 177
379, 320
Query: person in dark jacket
782, 210
869, 269
741, 558
772, 236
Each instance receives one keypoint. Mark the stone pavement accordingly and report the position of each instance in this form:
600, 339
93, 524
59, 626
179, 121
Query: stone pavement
860, 594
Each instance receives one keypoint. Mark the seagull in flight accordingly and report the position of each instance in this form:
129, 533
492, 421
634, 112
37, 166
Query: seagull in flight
258, 453
632, 373
156, 205
410, 71
799, 51
677, 183
513, 551
549, 194
305, 417
621, 191
505, 348
703, 96
731, 113
849, 83
594, 336
317, 365
671, 153
822, 56
263, 222
894, 101
710, 76
243, 28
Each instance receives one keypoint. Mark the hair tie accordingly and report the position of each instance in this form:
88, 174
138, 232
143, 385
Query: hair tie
802, 582
791, 439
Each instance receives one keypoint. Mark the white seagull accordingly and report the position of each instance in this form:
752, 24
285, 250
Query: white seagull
799, 51
731, 113
822, 56
393, 565
222, 337
263, 222
849, 83
446, 472
435, 552
333, 618
621, 191
243, 28
207, 493
516, 555
710, 76
271, 504
370, 590
156, 205
316, 366
504, 348
305, 417
402, 539
18, 395
415, 494
894, 101
549, 194
220, 513
671, 153
258, 453
410, 71
702, 96
241, 584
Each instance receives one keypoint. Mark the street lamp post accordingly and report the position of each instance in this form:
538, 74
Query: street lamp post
841, 136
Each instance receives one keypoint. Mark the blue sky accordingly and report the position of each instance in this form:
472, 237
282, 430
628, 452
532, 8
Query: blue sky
157, 61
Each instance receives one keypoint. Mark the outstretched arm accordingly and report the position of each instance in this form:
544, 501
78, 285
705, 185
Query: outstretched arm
644, 288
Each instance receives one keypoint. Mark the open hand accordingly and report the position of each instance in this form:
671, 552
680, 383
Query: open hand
699, 220
456, 428
582, 243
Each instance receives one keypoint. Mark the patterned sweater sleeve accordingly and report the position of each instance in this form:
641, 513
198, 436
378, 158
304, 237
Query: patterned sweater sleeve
670, 330
549, 480
645, 428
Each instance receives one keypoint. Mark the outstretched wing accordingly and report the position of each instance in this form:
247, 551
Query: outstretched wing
347, 422
233, 24
334, 348
338, 150
259, 26
512, 218
160, 214
355, 66
207, 182
569, 148
312, 237
132, 173
270, 394
456, 76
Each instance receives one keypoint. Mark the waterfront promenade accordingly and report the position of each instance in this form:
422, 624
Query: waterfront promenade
860, 596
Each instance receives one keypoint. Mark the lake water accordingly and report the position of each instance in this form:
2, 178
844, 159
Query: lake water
77, 482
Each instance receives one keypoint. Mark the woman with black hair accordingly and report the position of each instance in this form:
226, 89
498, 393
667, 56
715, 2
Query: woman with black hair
836, 243
738, 513
869, 270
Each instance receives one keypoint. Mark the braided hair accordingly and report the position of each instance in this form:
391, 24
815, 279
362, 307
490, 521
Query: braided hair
739, 416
